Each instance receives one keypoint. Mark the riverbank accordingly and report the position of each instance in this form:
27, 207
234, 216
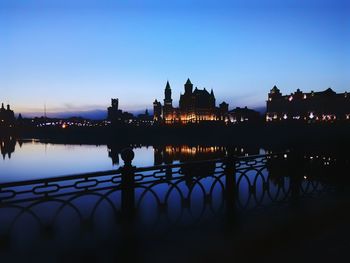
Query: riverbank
265, 135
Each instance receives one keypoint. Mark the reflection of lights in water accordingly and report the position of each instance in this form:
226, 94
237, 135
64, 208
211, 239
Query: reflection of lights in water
187, 150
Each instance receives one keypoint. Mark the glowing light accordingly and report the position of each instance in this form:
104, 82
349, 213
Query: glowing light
285, 116
311, 116
290, 98
64, 126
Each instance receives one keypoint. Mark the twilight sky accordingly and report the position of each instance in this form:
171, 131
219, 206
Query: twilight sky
74, 55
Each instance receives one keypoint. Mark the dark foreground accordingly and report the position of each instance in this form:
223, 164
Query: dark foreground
282, 207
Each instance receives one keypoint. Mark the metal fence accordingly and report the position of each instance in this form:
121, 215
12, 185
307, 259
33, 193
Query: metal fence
156, 196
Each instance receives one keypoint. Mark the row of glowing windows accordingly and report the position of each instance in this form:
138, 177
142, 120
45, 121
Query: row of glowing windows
290, 98
311, 116
192, 150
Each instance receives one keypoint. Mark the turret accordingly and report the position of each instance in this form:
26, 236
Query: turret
274, 92
157, 111
212, 93
223, 107
115, 103
167, 95
188, 87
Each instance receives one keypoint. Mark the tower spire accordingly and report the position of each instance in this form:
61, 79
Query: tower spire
167, 85
188, 87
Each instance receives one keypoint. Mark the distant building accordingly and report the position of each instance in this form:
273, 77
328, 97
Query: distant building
194, 106
118, 116
7, 116
114, 114
313, 106
243, 115
144, 119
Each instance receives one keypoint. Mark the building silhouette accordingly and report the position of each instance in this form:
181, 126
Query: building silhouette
7, 116
312, 107
194, 106
245, 114
115, 115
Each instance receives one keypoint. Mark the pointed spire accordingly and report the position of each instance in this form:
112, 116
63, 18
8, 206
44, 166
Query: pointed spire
167, 85
211, 92
2, 106
188, 81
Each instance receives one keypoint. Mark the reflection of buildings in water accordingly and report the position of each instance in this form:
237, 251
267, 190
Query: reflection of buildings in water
191, 171
113, 152
169, 154
301, 167
7, 146
185, 153
278, 169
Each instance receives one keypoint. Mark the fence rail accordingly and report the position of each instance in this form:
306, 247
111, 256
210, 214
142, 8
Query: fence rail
183, 193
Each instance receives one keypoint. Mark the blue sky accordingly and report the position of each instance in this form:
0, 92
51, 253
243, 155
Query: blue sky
76, 55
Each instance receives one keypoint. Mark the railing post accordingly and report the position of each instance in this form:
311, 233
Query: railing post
128, 185
129, 236
230, 188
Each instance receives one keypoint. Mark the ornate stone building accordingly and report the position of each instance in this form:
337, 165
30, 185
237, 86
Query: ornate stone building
313, 106
194, 106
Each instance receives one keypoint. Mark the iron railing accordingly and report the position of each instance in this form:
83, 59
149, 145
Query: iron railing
183, 193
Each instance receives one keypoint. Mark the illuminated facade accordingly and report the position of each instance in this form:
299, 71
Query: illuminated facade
312, 107
194, 106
